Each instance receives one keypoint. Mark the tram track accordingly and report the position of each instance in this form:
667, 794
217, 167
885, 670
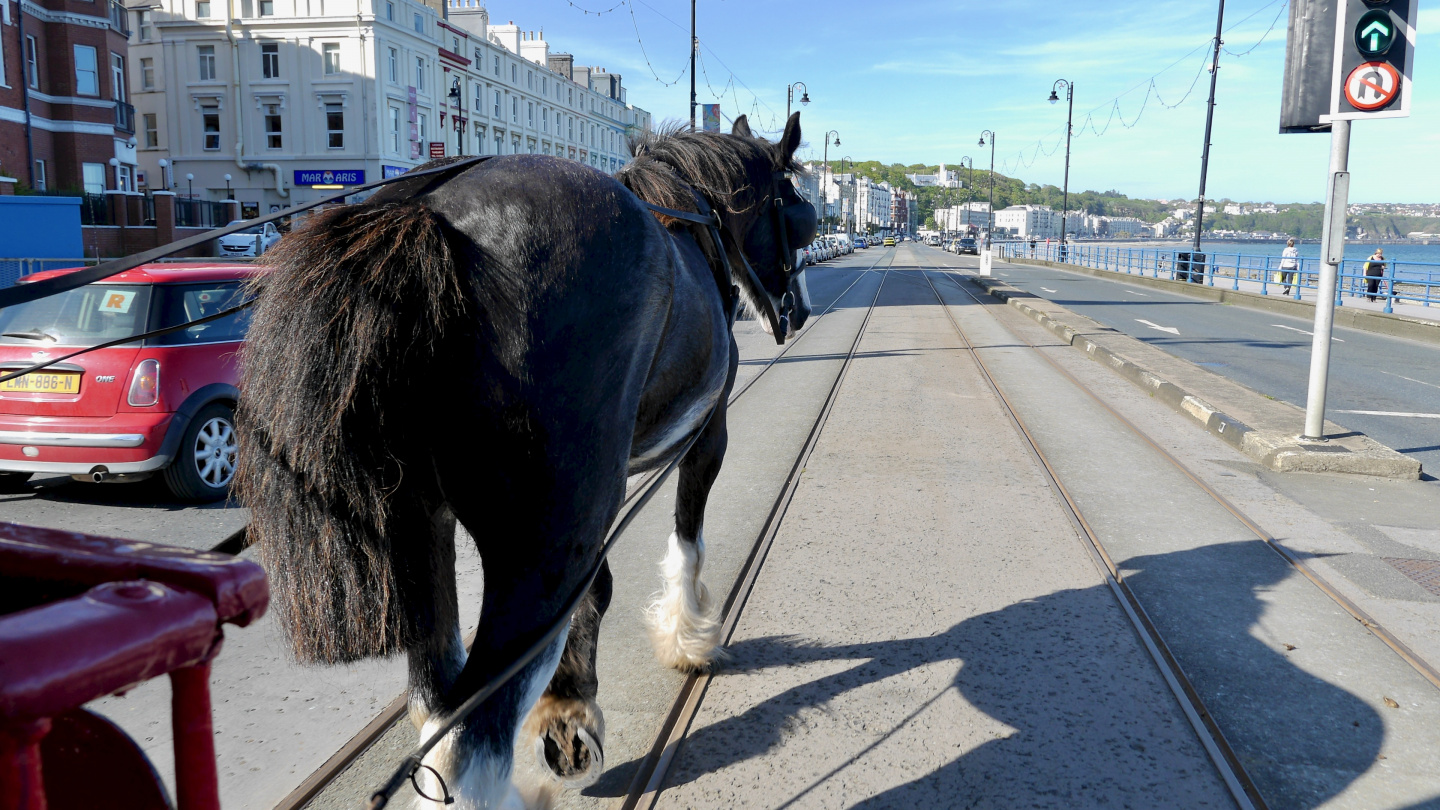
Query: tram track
1232, 770
357, 746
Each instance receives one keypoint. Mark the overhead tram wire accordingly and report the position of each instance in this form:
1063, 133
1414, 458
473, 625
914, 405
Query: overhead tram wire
1152, 87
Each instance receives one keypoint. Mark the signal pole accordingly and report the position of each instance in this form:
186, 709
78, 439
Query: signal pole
694, 46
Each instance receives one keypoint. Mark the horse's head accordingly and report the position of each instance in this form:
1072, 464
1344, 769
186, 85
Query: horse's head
781, 221
747, 181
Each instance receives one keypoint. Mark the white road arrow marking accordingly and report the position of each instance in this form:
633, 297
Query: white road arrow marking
1047, 289
1172, 330
1394, 413
1132, 292
1302, 331
1411, 379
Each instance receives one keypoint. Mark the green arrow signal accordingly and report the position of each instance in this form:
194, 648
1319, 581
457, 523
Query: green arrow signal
1374, 33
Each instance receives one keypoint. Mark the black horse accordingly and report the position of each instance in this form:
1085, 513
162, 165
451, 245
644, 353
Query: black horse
503, 345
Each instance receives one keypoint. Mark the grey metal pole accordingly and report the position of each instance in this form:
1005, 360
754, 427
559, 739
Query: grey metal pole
1329, 273
1209, 120
1069, 129
990, 238
694, 46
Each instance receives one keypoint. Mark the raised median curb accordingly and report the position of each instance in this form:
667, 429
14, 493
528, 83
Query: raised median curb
1401, 326
1259, 426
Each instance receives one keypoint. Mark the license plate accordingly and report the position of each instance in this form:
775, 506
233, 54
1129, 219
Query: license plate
62, 382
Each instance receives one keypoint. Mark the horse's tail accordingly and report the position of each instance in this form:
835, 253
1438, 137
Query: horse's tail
353, 309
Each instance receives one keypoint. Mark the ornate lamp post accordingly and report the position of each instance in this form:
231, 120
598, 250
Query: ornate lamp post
790, 96
190, 183
990, 235
228, 178
826, 175
1069, 130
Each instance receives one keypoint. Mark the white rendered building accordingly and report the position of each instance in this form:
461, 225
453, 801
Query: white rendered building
297, 98
1029, 221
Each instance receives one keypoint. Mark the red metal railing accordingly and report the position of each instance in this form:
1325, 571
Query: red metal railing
82, 617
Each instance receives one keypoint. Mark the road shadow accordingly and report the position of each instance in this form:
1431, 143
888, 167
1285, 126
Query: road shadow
1072, 697
149, 493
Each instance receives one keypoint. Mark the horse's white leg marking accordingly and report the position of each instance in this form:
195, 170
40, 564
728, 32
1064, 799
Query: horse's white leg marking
479, 777
684, 622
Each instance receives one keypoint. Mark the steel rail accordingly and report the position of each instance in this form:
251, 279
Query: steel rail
1231, 770
646, 786
1425, 668
331, 769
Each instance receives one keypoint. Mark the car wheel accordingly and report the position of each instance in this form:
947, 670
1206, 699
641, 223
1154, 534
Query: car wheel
13, 481
205, 463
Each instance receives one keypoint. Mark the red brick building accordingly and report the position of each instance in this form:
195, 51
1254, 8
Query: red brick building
64, 111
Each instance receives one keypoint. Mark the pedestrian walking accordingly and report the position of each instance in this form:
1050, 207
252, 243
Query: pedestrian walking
1289, 264
1374, 271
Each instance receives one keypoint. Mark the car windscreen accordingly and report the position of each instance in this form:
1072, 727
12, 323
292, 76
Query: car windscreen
179, 303
85, 316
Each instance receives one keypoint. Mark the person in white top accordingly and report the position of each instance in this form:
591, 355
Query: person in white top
1289, 264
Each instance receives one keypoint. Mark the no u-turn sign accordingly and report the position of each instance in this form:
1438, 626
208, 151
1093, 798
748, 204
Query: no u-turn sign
1372, 85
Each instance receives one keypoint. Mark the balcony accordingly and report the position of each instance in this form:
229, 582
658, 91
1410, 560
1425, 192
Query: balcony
124, 118
119, 18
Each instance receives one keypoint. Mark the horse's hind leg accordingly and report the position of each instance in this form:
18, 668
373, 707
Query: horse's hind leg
437, 654
684, 620
567, 725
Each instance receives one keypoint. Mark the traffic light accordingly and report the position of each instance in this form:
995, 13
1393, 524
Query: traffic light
1374, 50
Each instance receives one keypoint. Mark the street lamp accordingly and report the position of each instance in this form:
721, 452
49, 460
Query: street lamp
190, 182
1069, 130
227, 187
454, 96
990, 235
844, 212
827, 158
790, 96
164, 175
115, 164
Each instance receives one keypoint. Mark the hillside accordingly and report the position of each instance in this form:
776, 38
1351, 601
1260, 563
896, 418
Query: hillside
1299, 219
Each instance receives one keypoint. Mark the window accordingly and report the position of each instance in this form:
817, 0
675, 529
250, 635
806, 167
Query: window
497, 105
419, 73
479, 98
420, 126
544, 119
455, 44
515, 73
274, 134
202, 9
497, 65
152, 131
87, 71
31, 60
40, 175
147, 74
267, 8
514, 110
207, 62
395, 129
394, 66
125, 177
530, 79
390, 11
117, 76
530, 113
210, 123
270, 60
419, 23
93, 177
331, 53
143, 24
570, 128
479, 140
335, 126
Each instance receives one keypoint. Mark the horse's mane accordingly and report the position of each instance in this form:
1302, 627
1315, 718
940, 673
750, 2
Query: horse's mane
669, 162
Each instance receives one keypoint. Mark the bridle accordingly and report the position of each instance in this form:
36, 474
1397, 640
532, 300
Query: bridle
724, 266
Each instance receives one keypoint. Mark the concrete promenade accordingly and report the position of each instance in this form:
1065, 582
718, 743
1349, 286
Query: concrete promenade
931, 626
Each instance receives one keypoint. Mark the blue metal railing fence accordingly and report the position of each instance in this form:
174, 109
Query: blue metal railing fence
12, 270
1398, 282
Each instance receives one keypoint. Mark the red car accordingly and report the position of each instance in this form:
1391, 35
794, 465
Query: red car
163, 405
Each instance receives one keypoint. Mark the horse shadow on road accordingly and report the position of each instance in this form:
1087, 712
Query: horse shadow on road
1089, 727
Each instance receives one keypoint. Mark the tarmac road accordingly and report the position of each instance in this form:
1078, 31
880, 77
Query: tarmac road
1370, 374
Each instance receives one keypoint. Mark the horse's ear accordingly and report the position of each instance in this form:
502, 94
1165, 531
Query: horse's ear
790, 141
741, 127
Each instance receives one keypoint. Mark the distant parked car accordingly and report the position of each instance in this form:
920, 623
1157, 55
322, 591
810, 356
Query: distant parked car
860, 242
889, 241
967, 244
165, 405
248, 241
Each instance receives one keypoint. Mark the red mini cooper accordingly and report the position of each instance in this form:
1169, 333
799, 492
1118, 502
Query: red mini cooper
162, 405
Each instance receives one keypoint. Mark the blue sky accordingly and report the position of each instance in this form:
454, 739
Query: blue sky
917, 81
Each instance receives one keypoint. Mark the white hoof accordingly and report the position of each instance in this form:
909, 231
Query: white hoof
684, 621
